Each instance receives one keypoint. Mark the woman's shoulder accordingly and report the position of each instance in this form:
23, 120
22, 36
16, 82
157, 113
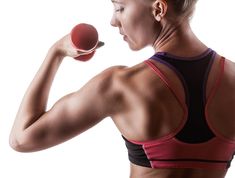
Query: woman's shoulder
229, 66
109, 73
121, 71
228, 63
229, 69
116, 78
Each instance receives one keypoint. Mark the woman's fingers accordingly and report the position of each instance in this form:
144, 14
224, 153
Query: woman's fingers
85, 52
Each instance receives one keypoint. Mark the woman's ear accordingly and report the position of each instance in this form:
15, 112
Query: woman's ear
159, 9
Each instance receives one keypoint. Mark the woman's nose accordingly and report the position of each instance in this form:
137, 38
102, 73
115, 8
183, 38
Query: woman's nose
113, 21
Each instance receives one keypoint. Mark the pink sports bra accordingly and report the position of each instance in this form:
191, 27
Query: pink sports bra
195, 144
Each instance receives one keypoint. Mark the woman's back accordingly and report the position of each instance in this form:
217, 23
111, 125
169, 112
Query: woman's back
176, 119
151, 110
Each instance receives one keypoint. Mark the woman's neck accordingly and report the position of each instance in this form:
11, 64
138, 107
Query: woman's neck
179, 40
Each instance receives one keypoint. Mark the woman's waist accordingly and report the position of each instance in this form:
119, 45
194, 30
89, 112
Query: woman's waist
145, 172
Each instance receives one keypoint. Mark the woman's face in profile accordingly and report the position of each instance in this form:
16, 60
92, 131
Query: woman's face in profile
135, 21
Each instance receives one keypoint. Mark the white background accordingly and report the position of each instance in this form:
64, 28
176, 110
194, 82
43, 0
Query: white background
28, 28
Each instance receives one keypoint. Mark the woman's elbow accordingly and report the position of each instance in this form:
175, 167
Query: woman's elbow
14, 144
17, 144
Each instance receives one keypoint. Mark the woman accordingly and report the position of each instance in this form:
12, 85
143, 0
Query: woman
174, 110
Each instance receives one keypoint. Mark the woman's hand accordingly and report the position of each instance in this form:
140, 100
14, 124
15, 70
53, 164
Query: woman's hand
65, 47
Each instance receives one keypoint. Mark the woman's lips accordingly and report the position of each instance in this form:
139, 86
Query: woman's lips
124, 36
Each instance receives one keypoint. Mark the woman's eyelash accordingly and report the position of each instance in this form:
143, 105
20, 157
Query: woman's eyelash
119, 9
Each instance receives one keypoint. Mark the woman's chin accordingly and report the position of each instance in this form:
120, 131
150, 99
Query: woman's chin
134, 47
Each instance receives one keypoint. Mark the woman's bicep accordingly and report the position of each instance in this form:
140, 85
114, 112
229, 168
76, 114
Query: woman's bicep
70, 116
65, 120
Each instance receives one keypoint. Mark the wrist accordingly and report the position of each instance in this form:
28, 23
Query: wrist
57, 52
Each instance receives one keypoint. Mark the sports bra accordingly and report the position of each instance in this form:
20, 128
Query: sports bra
195, 143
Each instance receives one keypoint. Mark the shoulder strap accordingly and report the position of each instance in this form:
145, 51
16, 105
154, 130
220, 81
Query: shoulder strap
169, 86
165, 80
211, 96
218, 80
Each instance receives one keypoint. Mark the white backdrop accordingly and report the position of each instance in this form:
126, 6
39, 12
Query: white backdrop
28, 28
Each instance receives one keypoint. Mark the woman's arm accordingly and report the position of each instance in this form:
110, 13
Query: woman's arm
35, 129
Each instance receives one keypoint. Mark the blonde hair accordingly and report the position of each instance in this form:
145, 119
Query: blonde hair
183, 7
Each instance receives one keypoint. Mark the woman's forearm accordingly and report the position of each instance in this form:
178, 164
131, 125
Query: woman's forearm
33, 105
35, 99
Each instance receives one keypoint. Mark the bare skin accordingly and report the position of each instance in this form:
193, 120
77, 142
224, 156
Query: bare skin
131, 96
130, 121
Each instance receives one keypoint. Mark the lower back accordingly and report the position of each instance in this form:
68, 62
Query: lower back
144, 172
